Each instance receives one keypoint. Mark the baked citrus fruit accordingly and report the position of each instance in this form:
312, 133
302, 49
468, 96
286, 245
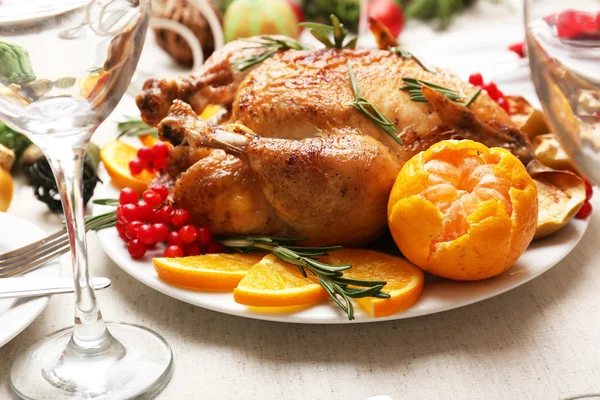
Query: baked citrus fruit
273, 283
6, 189
209, 271
116, 156
404, 280
463, 211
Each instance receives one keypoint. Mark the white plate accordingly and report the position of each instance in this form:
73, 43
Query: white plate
17, 315
438, 295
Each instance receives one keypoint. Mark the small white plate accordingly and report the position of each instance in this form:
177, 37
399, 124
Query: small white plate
438, 295
17, 315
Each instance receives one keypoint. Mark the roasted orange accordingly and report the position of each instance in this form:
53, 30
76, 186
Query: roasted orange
116, 156
463, 211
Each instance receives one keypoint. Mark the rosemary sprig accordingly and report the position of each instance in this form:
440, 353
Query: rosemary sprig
370, 111
271, 45
414, 87
403, 53
135, 127
321, 33
331, 277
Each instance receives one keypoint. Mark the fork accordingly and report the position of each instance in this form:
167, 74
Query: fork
35, 254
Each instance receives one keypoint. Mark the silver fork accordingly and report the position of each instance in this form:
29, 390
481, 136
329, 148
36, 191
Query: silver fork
29, 257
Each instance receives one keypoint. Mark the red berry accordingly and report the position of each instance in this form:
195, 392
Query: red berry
156, 216
492, 90
192, 249
165, 214
162, 191
214, 247
188, 234
136, 248
130, 212
585, 211
136, 166
160, 150
173, 239
131, 229
120, 218
589, 192
180, 217
173, 251
145, 155
518, 49
504, 104
145, 211
476, 79
128, 196
121, 229
159, 163
152, 198
160, 232
204, 235
146, 234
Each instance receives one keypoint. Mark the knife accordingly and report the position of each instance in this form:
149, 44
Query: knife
33, 287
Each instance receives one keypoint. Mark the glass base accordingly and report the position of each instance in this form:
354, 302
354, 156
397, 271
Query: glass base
138, 364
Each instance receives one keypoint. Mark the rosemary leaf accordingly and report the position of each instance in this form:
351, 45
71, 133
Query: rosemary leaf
321, 32
135, 127
415, 86
403, 53
271, 46
370, 111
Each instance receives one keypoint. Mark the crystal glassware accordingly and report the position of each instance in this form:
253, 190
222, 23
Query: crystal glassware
64, 66
563, 43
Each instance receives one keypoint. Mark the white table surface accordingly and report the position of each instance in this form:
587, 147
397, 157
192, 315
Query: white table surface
539, 341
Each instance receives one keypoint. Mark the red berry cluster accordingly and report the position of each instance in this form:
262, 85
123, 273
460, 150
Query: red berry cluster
143, 223
151, 158
573, 24
586, 209
491, 89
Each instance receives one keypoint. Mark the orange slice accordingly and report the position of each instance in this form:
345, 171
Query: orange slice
273, 283
209, 271
6, 189
149, 140
404, 279
116, 156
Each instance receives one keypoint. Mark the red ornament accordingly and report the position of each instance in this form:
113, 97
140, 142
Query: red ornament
389, 13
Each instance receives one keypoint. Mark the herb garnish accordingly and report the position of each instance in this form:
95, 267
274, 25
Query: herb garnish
414, 87
403, 53
331, 277
321, 33
135, 127
271, 45
374, 114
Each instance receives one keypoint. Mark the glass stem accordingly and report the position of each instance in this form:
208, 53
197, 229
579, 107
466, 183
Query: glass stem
67, 161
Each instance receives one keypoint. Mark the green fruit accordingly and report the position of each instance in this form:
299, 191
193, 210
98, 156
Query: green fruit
245, 18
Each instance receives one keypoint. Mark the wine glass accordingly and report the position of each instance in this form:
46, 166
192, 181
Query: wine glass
64, 65
563, 42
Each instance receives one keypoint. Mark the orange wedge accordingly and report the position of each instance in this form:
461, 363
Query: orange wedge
273, 283
116, 156
404, 280
208, 272
149, 140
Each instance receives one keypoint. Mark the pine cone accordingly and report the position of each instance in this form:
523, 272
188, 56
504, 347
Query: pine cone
187, 14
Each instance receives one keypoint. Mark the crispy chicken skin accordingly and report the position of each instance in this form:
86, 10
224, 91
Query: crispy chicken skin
331, 189
296, 159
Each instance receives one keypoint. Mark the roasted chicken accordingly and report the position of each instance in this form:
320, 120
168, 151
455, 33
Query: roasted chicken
294, 158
